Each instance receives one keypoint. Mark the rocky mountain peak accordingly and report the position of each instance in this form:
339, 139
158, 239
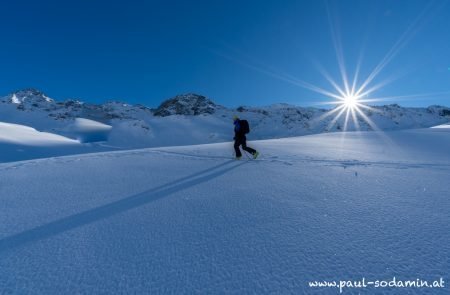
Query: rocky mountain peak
186, 104
29, 95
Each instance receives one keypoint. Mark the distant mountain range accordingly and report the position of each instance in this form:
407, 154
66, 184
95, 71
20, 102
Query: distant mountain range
195, 119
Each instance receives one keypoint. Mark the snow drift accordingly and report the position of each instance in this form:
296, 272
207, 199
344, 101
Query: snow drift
19, 142
89, 131
25, 135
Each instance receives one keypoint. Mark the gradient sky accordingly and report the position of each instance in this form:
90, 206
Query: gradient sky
235, 52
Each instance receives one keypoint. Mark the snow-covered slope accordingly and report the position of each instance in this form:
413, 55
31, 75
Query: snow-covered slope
19, 134
194, 119
19, 142
183, 220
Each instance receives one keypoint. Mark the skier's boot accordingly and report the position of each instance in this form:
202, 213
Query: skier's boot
238, 158
255, 155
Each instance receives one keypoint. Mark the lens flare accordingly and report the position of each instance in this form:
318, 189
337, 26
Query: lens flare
350, 94
350, 101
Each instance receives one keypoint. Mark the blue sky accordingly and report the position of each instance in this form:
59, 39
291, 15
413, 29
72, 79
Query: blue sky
235, 52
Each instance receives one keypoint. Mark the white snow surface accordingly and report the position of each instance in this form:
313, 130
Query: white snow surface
89, 131
82, 124
20, 134
20, 142
191, 220
444, 126
14, 99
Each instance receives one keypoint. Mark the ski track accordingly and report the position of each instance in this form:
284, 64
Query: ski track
297, 160
290, 160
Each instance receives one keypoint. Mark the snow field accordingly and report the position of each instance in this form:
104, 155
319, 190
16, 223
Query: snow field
192, 220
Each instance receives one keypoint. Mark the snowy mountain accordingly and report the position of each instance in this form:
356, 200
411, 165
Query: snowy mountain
194, 119
29, 97
188, 105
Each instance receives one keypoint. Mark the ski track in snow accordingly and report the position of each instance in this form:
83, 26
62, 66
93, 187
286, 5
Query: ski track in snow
292, 160
295, 160
190, 220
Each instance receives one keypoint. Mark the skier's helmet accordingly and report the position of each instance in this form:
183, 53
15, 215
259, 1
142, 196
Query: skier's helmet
235, 118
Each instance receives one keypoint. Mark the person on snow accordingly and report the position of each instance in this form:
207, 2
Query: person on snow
240, 129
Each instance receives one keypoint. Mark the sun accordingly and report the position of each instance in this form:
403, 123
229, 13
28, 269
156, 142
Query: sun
350, 101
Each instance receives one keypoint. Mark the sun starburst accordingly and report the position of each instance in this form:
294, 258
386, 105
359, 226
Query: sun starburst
352, 108
351, 94
350, 101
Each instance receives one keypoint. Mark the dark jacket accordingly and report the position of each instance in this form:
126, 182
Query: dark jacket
237, 130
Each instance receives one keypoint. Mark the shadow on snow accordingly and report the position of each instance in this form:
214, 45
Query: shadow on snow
108, 210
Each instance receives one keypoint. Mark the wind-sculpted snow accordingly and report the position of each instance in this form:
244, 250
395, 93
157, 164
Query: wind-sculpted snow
19, 134
19, 142
90, 131
190, 219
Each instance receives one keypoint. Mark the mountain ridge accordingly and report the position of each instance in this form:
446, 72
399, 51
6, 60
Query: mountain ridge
195, 119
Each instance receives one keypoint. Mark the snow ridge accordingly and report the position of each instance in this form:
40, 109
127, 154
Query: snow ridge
195, 119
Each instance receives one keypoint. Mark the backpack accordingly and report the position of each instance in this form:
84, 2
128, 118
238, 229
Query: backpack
245, 128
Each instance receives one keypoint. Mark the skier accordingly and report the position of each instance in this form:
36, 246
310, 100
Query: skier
240, 129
